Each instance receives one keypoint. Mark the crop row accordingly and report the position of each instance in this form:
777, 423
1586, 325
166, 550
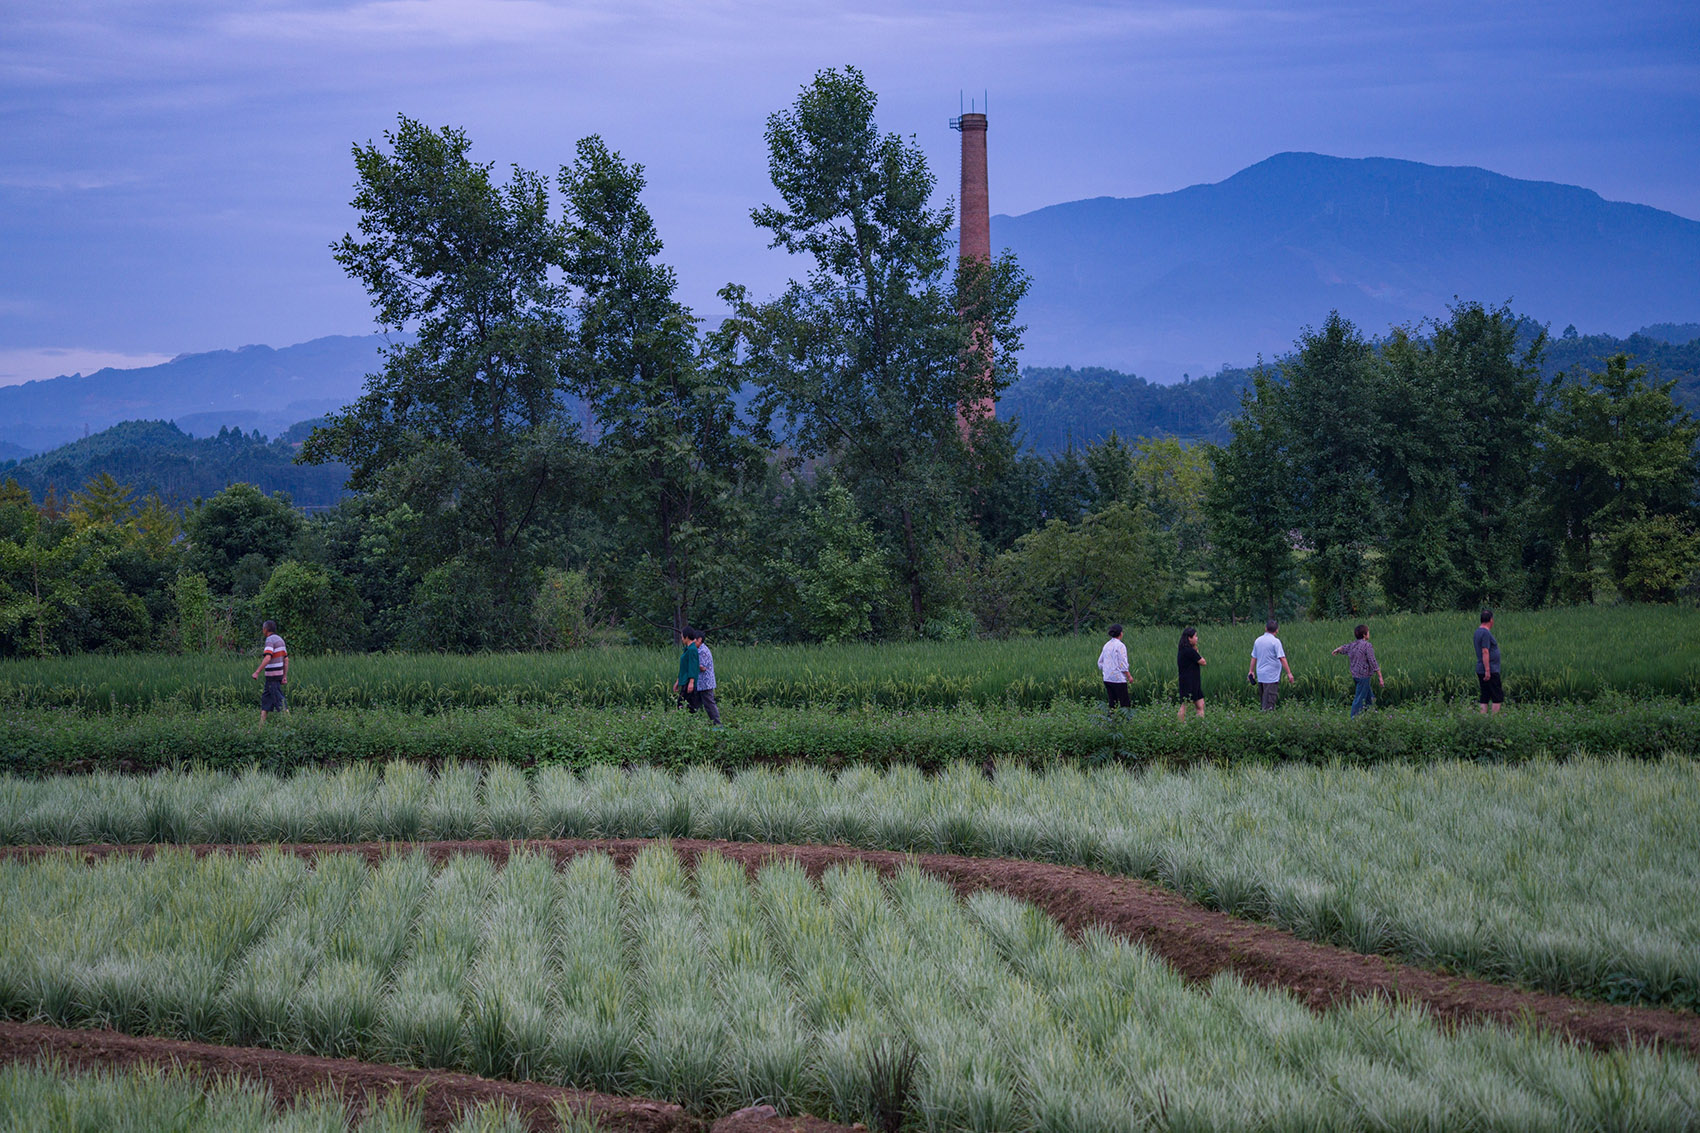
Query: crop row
1550, 656
854, 997
46, 741
149, 1099
1576, 878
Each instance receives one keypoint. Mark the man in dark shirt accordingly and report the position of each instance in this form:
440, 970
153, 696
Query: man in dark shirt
1487, 665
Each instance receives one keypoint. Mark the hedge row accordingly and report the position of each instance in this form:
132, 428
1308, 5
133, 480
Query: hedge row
47, 741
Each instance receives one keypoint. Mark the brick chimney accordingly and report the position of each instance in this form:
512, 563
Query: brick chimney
974, 238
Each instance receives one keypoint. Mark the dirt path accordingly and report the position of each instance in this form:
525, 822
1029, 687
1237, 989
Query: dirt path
441, 1095
1196, 941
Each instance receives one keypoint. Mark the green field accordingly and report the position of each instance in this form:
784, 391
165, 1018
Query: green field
47, 741
1550, 655
716, 991
1575, 878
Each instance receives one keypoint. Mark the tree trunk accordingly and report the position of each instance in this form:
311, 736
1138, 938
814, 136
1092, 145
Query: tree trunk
912, 555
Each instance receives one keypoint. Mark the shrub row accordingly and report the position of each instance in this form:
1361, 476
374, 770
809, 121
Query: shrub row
47, 741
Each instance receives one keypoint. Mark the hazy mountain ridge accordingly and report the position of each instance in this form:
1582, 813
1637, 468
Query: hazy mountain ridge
1190, 280
255, 387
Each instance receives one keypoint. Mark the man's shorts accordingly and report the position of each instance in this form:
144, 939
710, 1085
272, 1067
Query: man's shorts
271, 698
1492, 691
1117, 694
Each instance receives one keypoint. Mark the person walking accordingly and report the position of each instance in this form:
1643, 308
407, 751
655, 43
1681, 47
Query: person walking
1360, 654
1268, 658
685, 686
1189, 661
274, 666
705, 680
1487, 666
1112, 663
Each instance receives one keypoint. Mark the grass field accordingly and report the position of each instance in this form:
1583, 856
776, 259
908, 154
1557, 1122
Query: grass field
714, 990
1550, 655
47, 1098
1575, 878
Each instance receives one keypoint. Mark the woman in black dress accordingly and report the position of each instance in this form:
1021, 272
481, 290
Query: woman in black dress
1192, 680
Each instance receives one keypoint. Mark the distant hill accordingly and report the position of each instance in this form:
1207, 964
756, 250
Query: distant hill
1654, 347
1213, 274
255, 387
1059, 406
157, 456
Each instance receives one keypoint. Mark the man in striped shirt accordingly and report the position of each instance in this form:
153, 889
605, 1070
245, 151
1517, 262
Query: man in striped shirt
274, 666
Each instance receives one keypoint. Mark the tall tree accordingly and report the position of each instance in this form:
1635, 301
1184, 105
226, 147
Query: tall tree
1495, 382
671, 451
868, 360
468, 420
1422, 461
1248, 502
1330, 405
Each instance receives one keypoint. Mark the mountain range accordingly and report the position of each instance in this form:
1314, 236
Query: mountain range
1162, 286
1185, 282
255, 387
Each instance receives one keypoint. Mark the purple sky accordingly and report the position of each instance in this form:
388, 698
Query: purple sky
172, 173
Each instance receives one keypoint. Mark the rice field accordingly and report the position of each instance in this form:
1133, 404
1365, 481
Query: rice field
1550, 655
852, 998
48, 1098
1576, 878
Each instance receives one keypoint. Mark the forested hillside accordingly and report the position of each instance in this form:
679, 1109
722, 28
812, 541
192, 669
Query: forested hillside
158, 457
1060, 405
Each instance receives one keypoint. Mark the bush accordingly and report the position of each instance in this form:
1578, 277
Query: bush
453, 611
564, 613
45, 740
316, 611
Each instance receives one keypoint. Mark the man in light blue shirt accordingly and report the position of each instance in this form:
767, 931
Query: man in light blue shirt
1268, 658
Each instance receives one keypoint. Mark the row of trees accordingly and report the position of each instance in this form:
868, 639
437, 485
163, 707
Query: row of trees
1598, 502
1437, 471
558, 450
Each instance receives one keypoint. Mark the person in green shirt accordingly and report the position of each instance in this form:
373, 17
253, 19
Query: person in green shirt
685, 687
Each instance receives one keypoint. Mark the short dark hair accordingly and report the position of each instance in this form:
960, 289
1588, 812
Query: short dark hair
691, 633
1116, 630
1188, 634
1271, 625
269, 626
1487, 615
1361, 631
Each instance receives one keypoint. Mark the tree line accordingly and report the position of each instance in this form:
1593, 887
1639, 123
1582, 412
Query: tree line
557, 451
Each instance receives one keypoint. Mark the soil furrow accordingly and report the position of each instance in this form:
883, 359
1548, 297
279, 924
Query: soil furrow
1197, 942
442, 1095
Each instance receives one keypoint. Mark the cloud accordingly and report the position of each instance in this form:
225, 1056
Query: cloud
37, 363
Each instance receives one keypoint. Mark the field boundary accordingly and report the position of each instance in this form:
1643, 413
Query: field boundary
442, 1095
1199, 943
